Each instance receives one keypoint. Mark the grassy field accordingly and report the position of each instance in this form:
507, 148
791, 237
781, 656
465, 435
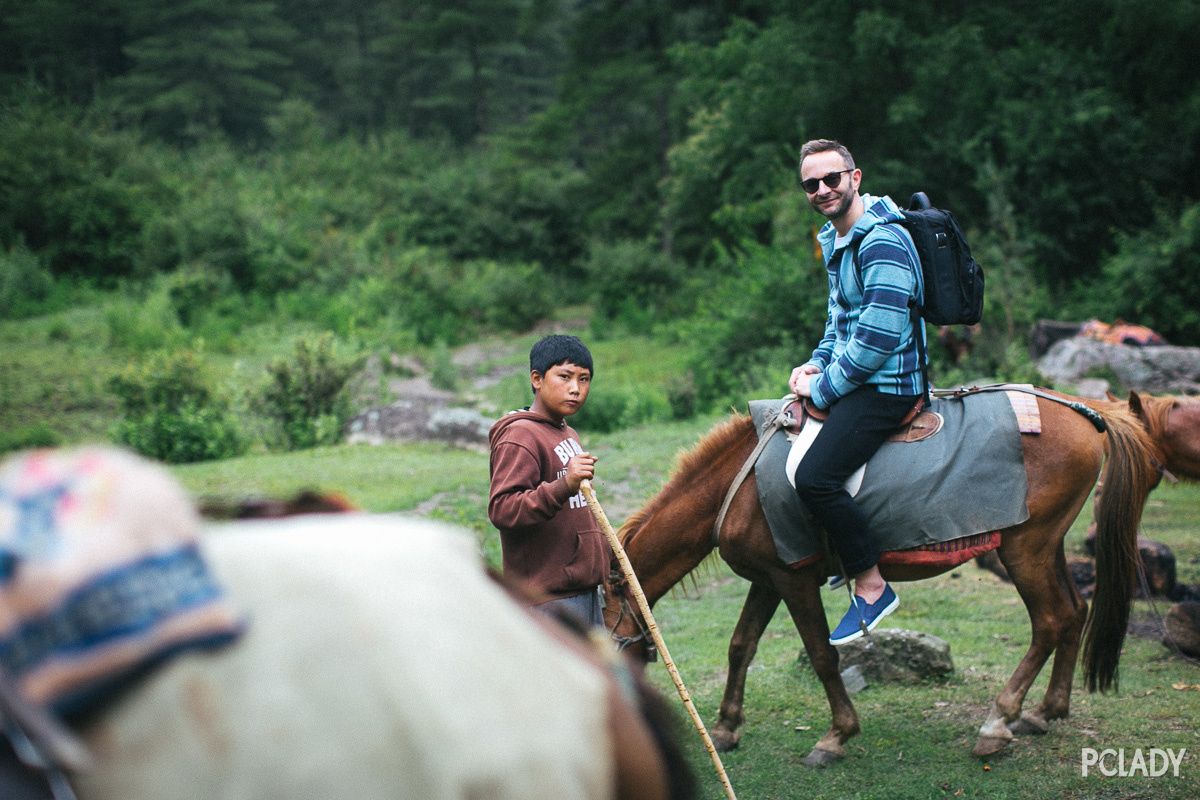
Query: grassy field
916, 740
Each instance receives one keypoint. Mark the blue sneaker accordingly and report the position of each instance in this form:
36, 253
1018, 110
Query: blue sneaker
863, 614
837, 581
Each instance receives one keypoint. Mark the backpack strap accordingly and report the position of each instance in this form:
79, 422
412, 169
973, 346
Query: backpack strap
914, 313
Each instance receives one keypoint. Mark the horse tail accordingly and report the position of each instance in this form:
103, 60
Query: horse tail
1129, 475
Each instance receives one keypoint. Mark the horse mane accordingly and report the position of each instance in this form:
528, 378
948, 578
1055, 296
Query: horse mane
688, 466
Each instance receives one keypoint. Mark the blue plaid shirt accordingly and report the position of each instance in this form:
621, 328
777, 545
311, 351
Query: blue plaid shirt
869, 331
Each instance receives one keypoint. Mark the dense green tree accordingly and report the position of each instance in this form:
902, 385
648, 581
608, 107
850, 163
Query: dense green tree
74, 192
470, 67
200, 66
69, 47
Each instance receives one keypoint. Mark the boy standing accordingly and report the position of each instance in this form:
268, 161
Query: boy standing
547, 533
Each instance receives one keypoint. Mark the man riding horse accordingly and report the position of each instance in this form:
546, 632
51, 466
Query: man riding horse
866, 370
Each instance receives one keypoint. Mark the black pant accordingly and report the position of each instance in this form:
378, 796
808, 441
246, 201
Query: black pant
857, 425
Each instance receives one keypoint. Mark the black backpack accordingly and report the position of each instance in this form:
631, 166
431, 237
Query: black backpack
953, 280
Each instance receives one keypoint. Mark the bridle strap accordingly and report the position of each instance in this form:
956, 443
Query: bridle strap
624, 642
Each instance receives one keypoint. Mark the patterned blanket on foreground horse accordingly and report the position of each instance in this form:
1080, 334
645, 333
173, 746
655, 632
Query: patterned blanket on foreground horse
100, 574
936, 494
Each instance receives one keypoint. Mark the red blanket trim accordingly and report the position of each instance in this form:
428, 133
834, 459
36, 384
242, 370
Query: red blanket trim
945, 554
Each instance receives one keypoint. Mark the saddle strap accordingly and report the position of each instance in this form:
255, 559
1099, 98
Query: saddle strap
778, 422
1079, 408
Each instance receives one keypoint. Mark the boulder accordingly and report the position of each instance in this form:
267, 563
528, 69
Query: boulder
891, 655
1157, 559
1161, 369
1083, 572
1183, 628
1159, 562
459, 425
419, 419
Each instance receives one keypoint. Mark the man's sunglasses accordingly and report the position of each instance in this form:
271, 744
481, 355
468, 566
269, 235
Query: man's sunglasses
831, 180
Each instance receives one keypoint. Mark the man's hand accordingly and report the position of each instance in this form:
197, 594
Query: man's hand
580, 468
801, 377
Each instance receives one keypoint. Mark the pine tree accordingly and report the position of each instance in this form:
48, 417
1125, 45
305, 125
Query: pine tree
205, 65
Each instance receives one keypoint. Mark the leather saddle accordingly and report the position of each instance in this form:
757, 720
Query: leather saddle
918, 424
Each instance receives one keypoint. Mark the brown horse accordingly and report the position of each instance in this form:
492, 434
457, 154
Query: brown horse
672, 534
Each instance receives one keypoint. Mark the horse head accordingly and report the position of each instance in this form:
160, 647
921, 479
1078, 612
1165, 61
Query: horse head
624, 622
1174, 426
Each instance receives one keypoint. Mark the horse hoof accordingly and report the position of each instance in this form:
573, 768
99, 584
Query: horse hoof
1030, 725
819, 757
989, 745
725, 741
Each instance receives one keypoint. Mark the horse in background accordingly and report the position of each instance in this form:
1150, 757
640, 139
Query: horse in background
362, 656
672, 534
1173, 423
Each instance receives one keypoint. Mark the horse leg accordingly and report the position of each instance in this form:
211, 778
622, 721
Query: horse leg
1054, 620
801, 591
760, 606
1056, 703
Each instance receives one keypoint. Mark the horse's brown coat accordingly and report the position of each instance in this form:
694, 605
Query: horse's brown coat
670, 536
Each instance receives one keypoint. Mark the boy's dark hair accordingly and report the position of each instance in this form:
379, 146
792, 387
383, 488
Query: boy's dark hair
559, 349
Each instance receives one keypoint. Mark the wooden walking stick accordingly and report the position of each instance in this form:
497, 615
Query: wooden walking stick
589, 494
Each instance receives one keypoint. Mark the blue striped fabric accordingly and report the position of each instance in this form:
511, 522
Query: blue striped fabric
869, 332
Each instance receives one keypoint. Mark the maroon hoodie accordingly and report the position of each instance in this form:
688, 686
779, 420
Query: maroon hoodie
547, 533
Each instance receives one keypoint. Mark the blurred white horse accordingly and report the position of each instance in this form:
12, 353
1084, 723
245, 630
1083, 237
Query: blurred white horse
378, 661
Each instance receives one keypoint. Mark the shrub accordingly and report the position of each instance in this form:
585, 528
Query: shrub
24, 284
171, 411
633, 284
76, 193
143, 324
617, 407
1151, 279
192, 290
40, 434
443, 373
306, 395
766, 315
509, 297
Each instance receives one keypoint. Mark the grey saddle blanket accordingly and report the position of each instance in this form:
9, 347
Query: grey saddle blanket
968, 478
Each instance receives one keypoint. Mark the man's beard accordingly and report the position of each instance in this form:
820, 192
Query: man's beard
840, 210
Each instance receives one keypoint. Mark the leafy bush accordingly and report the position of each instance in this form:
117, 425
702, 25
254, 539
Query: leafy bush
633, 284
171, 411
613, 408
76, 193
765, 316
40, 434
306, 394
143, 324
192, 290
509, 297
24, 284
1145, 281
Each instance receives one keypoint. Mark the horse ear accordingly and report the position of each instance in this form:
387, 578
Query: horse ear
1135, 405
1112, 398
